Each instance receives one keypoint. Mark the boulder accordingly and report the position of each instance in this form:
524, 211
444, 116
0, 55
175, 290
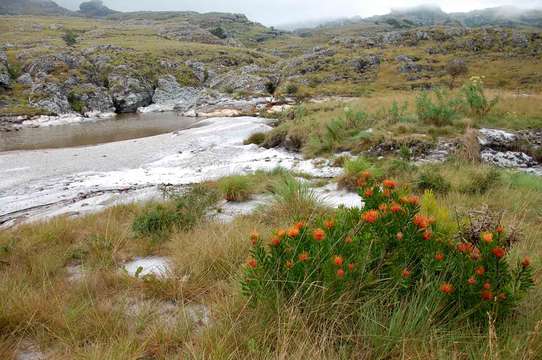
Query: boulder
243, 79
507, 159
128, 92
5, 78
497, 139
51, 97
25, 79
90, 98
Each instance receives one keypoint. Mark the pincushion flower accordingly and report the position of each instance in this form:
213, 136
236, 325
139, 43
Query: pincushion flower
421, 221
480, 271
427, 235
390, 184
319, 234
281, 233
254, 237
499, 229
487, 237
351, 267
252, 263
369, 192
526, 262
439, 256
487, 295
275, 241
340, 273
329, 224
338, 260
472, 281
348, 239
370, 216
299, 225
406, 273
289, 264
447, 288
487, 286
395, 208
400, 236
499, 252
304, 256
293, 232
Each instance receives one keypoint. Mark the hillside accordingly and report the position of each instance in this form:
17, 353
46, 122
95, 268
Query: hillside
32, 7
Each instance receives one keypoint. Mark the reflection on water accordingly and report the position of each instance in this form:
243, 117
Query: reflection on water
123, 127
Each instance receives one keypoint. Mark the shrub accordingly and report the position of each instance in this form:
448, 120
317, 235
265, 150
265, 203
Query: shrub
70, 37
183, 211
429, 179
389, 245
440, 112
480, 180
236, 187
292, 89
219, 32
478, 105
256, 138
456, 68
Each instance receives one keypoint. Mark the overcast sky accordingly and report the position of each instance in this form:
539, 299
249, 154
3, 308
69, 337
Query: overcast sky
276, 12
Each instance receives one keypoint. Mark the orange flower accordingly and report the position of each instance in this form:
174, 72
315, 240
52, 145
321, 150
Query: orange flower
319, 234
464, 247
395, 208
413, 200
386, 193
254, 237
275, 241
293, 232
304, 256
360, 182
447, 288
480, 271
351, 267
487, 295
400, 236
252, 263
348, 239
406, 274
369, 192
338, 260
366, 174
329, 224
370, 216
281, 233
487, 286
499, 229
471, 281
421, 221
487, 237
526, 262
439, 256
390, 184
383, 207
340, 273
289, 264
475, 255
499, 252
299, 225
427, 235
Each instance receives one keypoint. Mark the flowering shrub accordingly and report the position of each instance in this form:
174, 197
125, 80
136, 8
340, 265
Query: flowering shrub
476, 100
390, 242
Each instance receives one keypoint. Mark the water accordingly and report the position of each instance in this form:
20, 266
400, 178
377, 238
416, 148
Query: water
123, 127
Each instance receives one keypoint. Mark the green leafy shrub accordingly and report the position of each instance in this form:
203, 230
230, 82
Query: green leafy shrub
183, 211
389, 245
478, 105
236, 187
432, 180
480, 180
70, 37
439, 112
256, 138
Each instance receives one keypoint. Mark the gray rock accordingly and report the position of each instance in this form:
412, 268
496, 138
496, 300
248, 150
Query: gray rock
507, 159
3, 57
200, 71
243, 79
496, 139
94, 98
5, 78
128, 92
25, 79
169, 91
51, 97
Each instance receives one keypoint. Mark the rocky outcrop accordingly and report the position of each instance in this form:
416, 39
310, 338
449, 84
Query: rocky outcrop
90, 98
244, 79
51, 97
5, 78
508, 149
129, 92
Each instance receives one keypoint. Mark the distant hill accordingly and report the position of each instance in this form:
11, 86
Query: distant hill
506, 16
95, 8
32, 7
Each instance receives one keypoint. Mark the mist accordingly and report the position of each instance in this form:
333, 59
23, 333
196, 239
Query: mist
281, 12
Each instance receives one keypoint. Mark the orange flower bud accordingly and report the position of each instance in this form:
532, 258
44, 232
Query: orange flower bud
406, 274
487, 237
319, 234
447, 288
526, 262
439, 256
329, 224
370, 216
338, 260
252, 263
400, 236
304, 256
390, 184
499, 252
472, 281
340, 273
293, 232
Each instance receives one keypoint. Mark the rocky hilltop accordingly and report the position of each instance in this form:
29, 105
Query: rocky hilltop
186, 60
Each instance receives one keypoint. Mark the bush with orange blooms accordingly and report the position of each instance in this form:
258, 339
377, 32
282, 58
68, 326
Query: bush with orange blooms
387, 242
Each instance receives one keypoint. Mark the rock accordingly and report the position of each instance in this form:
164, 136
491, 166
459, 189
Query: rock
167, 90
129, 93
152, 265
25, 79
507, 159
496, 139
3, 57
242, 79
200, 71
51, 97
5, 78
93, 99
